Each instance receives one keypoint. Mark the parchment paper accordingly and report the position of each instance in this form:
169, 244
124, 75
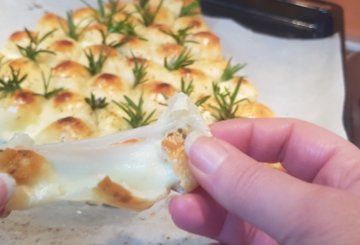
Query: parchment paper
296, 78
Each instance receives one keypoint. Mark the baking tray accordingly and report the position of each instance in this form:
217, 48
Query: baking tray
292, 18
81, 224
303, 19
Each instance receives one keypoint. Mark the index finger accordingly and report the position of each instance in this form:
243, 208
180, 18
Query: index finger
305, 150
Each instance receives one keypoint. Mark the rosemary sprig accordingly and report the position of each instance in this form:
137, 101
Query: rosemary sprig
124, 27
32, 50
230, 71
71, 29
136, 117
143, 3
139, 72
202, 100
226, 102
188, 89
10, 85
95, 65
48, 94
184, 59
102, 15
113, 44
148, 16
96, 103
190, 9
181, 35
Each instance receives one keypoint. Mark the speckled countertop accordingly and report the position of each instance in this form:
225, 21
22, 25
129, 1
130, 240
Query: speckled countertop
81, 224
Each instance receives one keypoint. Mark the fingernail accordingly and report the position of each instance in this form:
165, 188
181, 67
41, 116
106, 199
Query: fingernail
206, 154
190, 140
9, 184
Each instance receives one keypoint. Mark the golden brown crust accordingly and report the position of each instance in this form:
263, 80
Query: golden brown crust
70, 68
23, 165
84, 14
158, 87
113, 194
27, 168
66, 129
102, 49
173, 145
20, 36
109, 83
63, 46
52, 21
252, 109
27, 105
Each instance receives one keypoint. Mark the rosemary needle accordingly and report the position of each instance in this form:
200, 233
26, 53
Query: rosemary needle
95, 65
72, 30
181, 35
139, 72
230, 71
11, 84
48, 94
135, 114
188, 89
190, 9
33, 50
96, 103
226, 102
183, 60
148, 16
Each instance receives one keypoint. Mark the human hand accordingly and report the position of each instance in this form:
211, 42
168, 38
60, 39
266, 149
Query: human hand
7, 187
244, 201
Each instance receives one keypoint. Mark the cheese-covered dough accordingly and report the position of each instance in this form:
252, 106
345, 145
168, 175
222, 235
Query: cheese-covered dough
132, 169
146, 50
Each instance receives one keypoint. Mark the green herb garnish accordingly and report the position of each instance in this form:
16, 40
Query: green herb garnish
184, 59
71, 30
113, 44
32, 50
190, 9
102, 16
136, 117
96, 103
124, 27
188, 89
226, 102
230, 71
139, 72
10, 85
181, 35
95, 66
48, 94
148, 16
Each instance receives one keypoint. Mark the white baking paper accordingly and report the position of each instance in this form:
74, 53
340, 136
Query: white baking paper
296, 78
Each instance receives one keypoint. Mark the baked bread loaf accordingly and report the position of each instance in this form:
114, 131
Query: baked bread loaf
85, 75
95, 83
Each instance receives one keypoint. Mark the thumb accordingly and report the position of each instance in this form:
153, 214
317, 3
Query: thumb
7, 187
269, 199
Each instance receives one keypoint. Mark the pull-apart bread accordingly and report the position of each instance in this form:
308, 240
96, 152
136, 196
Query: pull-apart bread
107, 94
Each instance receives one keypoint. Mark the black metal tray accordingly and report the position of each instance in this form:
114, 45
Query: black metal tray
286, 18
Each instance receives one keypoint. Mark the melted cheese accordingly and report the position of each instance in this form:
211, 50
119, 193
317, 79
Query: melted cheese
135, 161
